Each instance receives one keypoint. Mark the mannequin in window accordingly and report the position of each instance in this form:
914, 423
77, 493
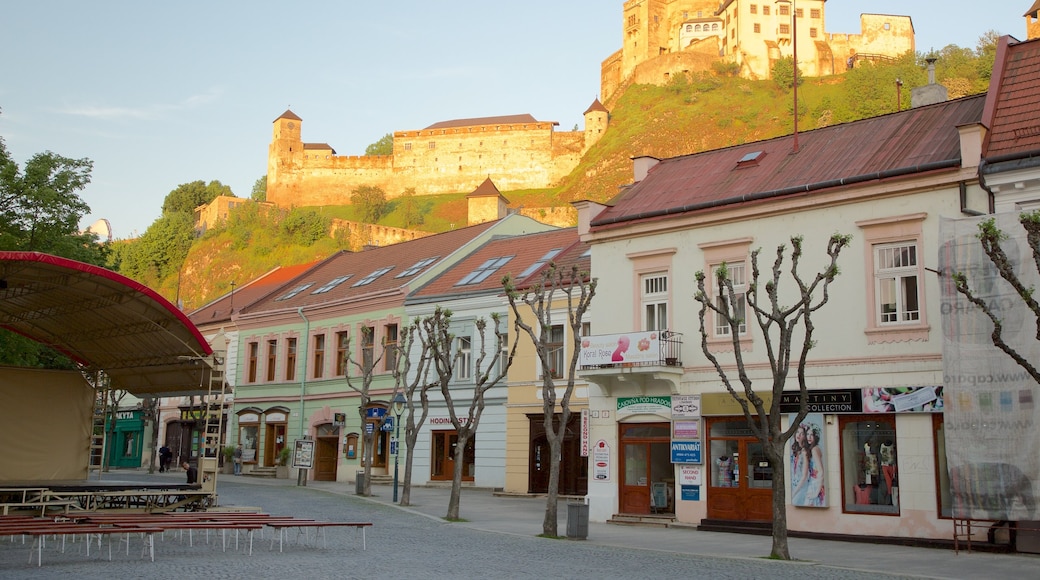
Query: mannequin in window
887, 453
870, 465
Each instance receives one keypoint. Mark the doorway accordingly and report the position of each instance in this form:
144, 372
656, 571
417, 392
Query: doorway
444, 444
741, 486
274, 442
647, 475
574, 469
326, 458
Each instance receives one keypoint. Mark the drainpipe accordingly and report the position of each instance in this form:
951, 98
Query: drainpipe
301, 477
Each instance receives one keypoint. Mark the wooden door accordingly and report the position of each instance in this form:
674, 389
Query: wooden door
326, 458
274, 442
444, 443
741, 483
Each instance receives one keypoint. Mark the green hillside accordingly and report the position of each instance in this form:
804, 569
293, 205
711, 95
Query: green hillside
694, 113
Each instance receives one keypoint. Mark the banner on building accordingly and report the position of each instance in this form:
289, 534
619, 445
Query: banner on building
992, 440
631, 347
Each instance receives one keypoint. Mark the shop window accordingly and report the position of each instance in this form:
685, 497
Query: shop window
254, 352
350, 448
248, 431
870, 466
319, 356
945, 493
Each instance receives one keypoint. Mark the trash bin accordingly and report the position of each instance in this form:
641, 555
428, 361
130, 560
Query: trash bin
359, 483
577, 521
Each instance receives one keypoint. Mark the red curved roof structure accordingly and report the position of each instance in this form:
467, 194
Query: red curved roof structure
103, 321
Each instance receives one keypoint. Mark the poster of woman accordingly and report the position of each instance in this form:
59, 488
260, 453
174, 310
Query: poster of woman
807, 469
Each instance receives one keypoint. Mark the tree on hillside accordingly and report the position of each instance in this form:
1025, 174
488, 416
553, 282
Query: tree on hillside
188, 196
413, 211
411, 378
385, 146
259, 192
448, 355
783, 73
542, 297
370, 202
160, 251
779, 325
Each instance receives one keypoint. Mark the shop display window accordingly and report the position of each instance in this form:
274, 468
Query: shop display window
870, 468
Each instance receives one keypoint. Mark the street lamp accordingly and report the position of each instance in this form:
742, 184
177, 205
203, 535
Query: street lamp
399, 402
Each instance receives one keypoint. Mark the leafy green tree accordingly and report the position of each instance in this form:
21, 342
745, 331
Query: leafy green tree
259, 192
370, 202
413, 211
783, 73
304, 226
160, 252
385, 146
40, 211
189, 196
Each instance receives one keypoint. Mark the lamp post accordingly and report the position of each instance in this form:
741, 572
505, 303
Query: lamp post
899, 95
399, 403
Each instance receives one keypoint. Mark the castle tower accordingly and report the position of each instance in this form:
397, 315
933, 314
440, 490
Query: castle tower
1032, 23
597, 117
284, 159
486, 203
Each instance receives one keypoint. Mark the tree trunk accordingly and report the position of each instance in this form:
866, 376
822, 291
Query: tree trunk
456, 480
550, 524
406, 483
776, 461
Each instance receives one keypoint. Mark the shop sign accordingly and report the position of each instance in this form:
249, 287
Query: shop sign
584, 433
828, 401
601, 461
644, 405
616, 349
868, 400
303, 454
690, 493
686, 430
690, 474
686, 452
686, 407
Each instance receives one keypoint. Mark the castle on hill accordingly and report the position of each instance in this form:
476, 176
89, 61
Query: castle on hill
516, 152
662, 38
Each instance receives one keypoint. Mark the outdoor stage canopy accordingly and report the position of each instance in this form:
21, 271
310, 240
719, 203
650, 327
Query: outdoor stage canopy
105, 322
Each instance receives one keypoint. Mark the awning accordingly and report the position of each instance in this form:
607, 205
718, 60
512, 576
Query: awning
104, 321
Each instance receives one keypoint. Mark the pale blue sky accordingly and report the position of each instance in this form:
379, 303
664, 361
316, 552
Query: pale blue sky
159, 94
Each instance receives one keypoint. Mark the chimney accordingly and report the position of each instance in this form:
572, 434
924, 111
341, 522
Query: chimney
642, 165
931, 93
971, 136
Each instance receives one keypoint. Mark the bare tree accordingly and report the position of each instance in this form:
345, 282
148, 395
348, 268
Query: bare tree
150, 410
409, 381
362, 385
445, 355
779, 325
990, 236
554, 284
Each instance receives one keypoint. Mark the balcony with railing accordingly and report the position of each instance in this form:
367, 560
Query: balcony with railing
646, 361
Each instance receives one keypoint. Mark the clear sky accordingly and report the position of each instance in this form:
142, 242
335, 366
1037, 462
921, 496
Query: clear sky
163, 93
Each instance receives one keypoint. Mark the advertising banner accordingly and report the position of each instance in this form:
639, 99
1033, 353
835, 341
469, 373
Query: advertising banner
631, 347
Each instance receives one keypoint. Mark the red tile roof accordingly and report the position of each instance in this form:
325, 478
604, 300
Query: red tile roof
522, 253
912, 141
502, 120
356, 271
1015, 99
223, 307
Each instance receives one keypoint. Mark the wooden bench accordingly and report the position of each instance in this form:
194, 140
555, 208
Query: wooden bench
282, 525
40, 529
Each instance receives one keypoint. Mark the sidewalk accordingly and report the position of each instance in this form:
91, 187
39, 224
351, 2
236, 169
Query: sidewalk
523, 516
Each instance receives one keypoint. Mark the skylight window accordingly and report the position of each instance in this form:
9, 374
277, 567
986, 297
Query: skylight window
372, 277
751, 158
332, 284
294, 291
483, 271
541, 262
417, 267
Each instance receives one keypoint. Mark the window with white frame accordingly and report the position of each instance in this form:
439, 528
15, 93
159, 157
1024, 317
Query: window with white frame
737, 274
896, 283
464, 362
655, 301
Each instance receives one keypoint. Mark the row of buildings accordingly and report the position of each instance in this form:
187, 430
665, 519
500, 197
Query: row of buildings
655, 433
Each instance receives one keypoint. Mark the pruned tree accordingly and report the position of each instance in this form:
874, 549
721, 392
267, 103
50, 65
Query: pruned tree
411, 376
361, 384
779, 325
990, 238
554, 284
488, 370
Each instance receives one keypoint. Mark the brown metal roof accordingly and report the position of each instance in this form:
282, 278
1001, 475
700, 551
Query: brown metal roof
596, 106
912, 141
344, 272
103, 321
289, 115
503, 120
221, 309
1015, 124
523, 252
